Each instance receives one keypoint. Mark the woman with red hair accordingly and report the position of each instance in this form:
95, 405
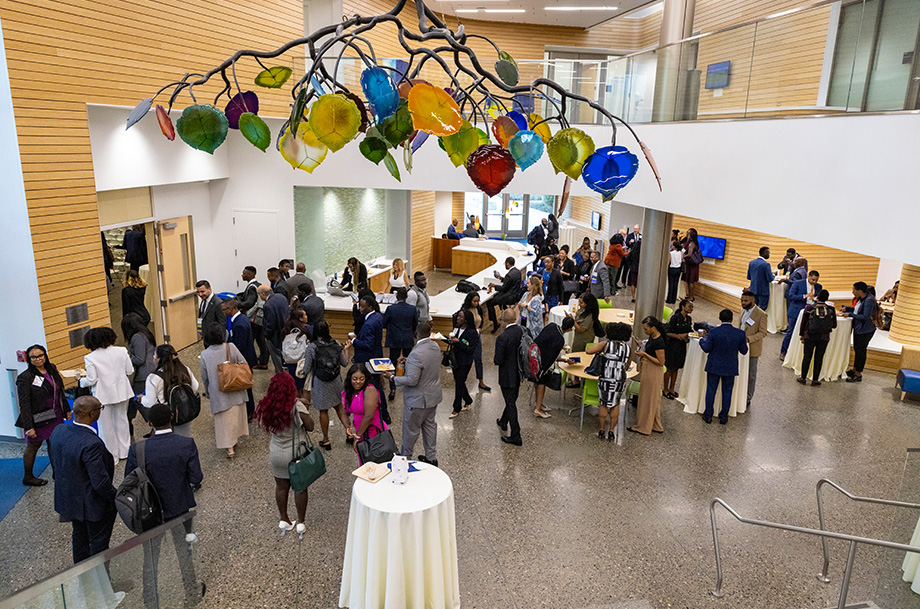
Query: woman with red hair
275, 414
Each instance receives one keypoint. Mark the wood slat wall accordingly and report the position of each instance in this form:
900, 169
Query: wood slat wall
905, 326
456, 209
422, 229
839, 269
579, 210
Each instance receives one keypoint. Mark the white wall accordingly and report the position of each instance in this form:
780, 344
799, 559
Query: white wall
21, 322
191, 199
443, 204
624, 215
889, 271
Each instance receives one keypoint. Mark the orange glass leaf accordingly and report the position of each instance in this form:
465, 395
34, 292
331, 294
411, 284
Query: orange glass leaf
434, 110
504, 128
166, 125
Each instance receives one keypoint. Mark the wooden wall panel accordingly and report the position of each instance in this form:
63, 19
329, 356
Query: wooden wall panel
905, 326
456, 209
422, 230
839, 269
579, 210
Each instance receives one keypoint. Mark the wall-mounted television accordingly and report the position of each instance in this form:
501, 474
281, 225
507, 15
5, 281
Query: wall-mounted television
718, 75
712, 247
596, 220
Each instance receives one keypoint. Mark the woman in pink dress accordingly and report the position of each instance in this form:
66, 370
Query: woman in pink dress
360, 400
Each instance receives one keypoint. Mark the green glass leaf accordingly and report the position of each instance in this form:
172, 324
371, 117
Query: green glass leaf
507, 57
568, 150
397, 127
255, 130
374, 149
139, 112
507, 69
273, 78
335, 120
407, 158
390, 164
461, 145
483, 137
202, 127
300, 106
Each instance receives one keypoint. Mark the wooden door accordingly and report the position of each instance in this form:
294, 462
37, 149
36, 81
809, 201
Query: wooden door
175, 249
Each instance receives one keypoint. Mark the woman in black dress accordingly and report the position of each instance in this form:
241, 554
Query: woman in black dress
463, 341
677, 330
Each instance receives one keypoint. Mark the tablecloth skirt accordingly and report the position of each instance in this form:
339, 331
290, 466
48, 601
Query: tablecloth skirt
693, 383
911, 564
400, 560
777, 320
90, 590
836, 358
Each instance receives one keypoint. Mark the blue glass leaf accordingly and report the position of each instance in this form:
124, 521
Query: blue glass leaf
139, 112
609, 169
519, 119
419, 139
526, 147
380, 92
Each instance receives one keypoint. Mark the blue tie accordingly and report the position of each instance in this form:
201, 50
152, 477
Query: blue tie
229, 326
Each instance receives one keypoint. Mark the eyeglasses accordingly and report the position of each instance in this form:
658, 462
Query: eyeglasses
42, 356
100, 409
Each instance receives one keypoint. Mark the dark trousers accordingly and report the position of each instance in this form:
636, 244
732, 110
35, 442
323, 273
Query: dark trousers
860, 346
377, 381
762, 300
477, 360
395, 352
712, 385
500, 301
673, 282
92, 536
258, 334
510, 413
816, 348
461, 394
186, 566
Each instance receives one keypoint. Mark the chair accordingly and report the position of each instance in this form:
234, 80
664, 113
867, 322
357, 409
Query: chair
603, 304
908, 375
589, 395
666, 314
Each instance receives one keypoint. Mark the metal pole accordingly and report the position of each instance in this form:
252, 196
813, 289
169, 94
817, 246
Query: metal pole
822, 576
845, 585
717, 591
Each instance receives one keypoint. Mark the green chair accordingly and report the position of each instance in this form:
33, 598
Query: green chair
589, 395
666, 314
603, 304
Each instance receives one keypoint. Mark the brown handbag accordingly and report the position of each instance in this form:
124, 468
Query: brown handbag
233, 377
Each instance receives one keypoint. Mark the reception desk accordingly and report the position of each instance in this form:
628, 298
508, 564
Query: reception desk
469, 260
441, 252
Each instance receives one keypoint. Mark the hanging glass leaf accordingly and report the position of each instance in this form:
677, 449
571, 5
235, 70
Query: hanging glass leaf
407, 158
536, 124
406, 86
203, 127
503, 128
255, 130
166, 125
483, 137
240, 103
507, 69
303, 151
335, 120
297, 111
390, 163
434, 110
526, 147
491, 168
273, 78
519, 119
609, 169
568, 151
139, 112
460, 145
361, 108
374, 149
420, 138
380, 92
397, 128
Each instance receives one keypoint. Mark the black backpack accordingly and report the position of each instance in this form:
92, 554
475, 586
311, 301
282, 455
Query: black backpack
136, 500
532, 236
465, 287
327, 361
184, 403
821, 321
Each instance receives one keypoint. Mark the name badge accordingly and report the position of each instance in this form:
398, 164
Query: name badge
749, 322
38, 381
594, 278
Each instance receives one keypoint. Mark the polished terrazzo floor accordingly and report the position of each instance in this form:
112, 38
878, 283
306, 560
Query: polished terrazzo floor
568, 521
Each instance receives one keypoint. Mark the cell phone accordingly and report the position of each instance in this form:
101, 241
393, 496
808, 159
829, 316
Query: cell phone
355, 298
576, 359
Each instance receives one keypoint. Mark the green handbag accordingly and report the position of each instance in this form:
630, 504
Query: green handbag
307, 463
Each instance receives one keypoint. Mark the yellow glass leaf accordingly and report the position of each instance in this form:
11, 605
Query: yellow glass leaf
542, 129
302, 151
461, 145
434, 110
334, 120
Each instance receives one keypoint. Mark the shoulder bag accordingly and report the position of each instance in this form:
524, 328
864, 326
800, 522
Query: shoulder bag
307, 463
233, 377
379, 449
449, 358
597, 364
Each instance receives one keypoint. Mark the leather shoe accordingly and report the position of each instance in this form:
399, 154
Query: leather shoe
424, 459
707, 420
723, 421
504, 427
260, 367
800, 380
494, 328
34, 481
514, 441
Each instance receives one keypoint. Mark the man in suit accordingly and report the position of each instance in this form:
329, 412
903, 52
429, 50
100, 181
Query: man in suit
311, 304
239, 331
508, 292
723, 344
400, 321
299, 278
172, 465
209, 311
83, 470
249, 298
421, 395
753, 321
599, 278
799, 294
278, 284
452, 232
507, 346
275, 315
760, 274
368, 345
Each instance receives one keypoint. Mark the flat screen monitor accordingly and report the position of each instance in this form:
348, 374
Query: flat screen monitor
718, 75
712, 247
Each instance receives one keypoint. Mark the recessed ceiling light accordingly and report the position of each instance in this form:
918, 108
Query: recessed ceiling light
505, 10
466, 10
580, 8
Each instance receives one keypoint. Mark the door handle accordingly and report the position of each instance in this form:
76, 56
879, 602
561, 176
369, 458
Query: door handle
182, 296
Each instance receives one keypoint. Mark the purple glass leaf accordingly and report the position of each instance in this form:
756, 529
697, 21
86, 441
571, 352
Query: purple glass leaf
240, 103
419, 139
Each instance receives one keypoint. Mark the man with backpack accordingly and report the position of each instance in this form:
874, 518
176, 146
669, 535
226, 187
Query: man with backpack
799, 294
507, 346
818, 321
171, 464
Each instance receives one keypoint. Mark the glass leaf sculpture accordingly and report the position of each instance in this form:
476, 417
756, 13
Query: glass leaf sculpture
536, 124
165, 122
434, 110
609, 169
418, 139
568, 150
255, 130
507, 69
380, 92
519, 119
504, 128
526, 147
139, 112
240, 103
335, 120
390, 163
398, 127
460, 145
273, 78
491, 168
302, 151
406, 86
203, 127
374, 148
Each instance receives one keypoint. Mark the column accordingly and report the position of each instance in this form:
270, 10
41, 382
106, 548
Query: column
905, 323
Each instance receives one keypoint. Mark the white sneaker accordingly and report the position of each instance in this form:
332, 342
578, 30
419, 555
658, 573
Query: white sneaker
301, 529
285, 527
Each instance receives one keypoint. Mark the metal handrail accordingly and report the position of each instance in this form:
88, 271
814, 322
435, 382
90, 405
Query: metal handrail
851, 555
822, 576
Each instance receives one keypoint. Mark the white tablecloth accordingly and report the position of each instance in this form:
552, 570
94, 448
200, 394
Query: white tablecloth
836, 358
693, 383
776, 309
911, 564
89, 590
401, 547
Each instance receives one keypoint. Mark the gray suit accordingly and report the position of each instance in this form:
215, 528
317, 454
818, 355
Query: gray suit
599, 281
422, 394
296, 280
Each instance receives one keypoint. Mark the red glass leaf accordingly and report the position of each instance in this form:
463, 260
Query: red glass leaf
166, 125
491, 168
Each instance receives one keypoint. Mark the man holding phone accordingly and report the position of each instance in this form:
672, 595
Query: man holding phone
508, 292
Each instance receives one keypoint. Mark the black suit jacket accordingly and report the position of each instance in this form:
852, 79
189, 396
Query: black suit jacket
507, 346
509, 292
212, 315
400, 321
33, 398
83, 471
248, 297
281, 287
241, 336
172, 465
315, 309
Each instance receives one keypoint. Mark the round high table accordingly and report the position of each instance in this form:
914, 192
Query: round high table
606, 316
578, 370
836, 358
776, 309
401, 546
693, 383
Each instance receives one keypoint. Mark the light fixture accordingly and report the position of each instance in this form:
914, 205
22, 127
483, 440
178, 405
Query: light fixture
580, 8
490, 10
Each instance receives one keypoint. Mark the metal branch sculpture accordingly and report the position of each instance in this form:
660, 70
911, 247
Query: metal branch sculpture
405, 109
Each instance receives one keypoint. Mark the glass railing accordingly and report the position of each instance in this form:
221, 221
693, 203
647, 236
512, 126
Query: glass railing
824, 59
896, 570
156, 569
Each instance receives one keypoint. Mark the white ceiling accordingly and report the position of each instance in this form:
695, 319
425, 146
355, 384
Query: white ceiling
534, 11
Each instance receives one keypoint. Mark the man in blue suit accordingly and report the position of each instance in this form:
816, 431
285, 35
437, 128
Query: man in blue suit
172, 465
275, 314
239, 331
799, 294
723, 344
369, 345
452, 232
760, 274
400, 321
83, 470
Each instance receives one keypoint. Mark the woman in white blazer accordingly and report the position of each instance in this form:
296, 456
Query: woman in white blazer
107, 370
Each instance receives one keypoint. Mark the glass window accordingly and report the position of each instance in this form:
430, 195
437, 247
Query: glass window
540, 207
472, 206
494, 213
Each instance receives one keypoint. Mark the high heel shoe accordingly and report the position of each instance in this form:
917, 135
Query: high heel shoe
301, 529
285, 527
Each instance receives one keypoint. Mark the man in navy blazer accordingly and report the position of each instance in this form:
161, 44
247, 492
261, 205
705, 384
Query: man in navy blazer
760, 274
83, 470
239, 331
797, 296
723, 344
275, 314
368, 345
400, 321
172, 465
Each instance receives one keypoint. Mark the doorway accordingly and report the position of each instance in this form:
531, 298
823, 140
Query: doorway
175, 259
116, 243
509, 216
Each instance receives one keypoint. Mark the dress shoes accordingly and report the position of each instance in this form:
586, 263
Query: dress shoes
723, 421
494, 328
503, 427
34, 481
514, 441
800, 380
424, 459
707, 420
260, 367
